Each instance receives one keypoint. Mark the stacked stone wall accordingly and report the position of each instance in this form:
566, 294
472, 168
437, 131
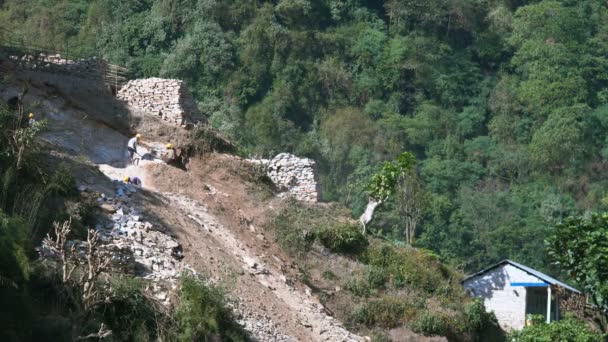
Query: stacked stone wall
165, 98
298, 175
87, 68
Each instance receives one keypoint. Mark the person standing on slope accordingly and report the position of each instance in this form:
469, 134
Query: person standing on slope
132, 147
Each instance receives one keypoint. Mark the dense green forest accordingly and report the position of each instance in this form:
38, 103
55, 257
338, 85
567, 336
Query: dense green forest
504, 103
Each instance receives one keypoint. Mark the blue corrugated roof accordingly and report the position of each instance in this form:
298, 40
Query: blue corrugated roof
527, 269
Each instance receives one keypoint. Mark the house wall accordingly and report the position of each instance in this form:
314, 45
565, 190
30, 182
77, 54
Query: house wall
507, 302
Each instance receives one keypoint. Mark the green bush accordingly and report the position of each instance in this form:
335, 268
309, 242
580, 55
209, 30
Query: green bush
344, 238
358, 287
430, 324
376, 277
477, 318
13, 251
568, 329
130, 314
15, 313
293, 228
202, 314
380, 336
387, 312
407, 266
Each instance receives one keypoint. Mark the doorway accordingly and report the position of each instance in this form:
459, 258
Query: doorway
536, 302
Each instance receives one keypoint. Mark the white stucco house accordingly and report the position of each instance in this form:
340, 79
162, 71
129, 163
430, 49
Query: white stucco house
513, 291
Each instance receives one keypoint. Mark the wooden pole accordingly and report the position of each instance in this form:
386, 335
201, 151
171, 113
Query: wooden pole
549, 303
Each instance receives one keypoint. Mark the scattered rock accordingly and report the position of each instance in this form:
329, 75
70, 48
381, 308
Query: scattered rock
250, 262
109, 208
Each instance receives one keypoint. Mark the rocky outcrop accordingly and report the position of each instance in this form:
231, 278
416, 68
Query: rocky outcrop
166, 98
297, 175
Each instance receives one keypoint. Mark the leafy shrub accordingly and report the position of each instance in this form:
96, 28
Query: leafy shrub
415, 268
386, 312
202, 314
129, 313
344, 238
429, 324
568, 329
13, 251
376, 277
358, 287
477, 318
292, 229
297, 225
380, 336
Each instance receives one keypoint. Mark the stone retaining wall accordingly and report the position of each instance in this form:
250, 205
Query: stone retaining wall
166, 98
298, 175
87, 68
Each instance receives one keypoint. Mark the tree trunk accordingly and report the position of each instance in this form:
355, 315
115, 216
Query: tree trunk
368, 215
410, 230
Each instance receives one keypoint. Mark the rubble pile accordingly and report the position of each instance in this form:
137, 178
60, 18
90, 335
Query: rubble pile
260, 326
156, 254
165, 98
296, 174
134, 245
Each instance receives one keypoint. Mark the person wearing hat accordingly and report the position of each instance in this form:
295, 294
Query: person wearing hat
132, 146
133, 180
31, 120
169, 155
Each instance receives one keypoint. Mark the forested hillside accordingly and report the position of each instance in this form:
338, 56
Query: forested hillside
503, 102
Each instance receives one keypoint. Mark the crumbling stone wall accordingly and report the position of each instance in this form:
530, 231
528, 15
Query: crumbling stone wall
166, 98
298, 175
92, 68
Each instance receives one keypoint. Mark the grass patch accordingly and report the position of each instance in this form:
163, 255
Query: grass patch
386, 312
329, 275
430, 324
